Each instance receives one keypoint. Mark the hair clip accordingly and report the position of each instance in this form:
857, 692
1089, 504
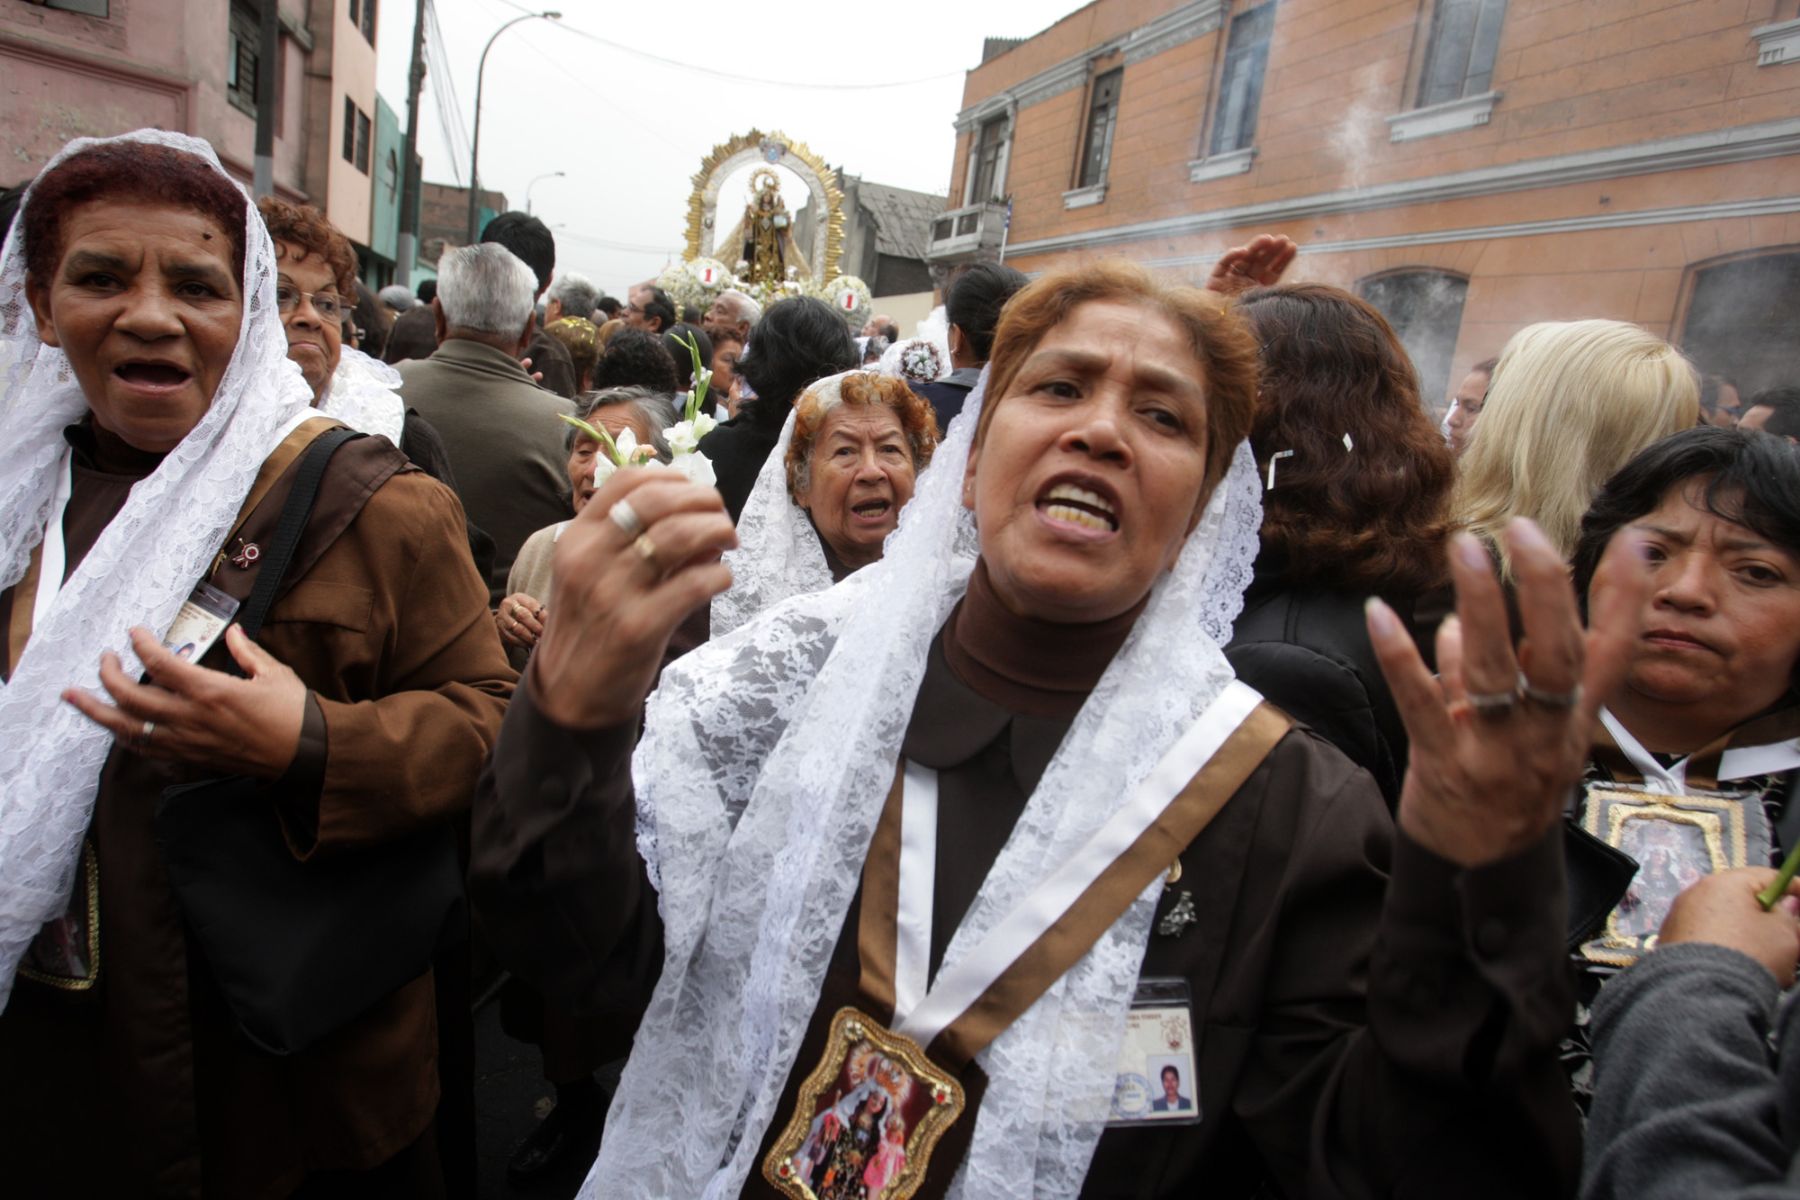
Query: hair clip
1273, 459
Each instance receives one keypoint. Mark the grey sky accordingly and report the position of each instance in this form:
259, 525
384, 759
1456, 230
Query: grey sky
630, 132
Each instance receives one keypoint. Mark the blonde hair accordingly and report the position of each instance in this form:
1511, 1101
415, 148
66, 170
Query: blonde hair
1570, 403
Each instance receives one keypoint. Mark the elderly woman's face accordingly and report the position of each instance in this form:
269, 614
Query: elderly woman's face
861, 475
1089, 475
1722, 626
315, 339
615, 419
146, 304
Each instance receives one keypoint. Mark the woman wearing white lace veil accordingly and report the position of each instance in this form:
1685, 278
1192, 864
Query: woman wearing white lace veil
995, 809
829, 493
155, 425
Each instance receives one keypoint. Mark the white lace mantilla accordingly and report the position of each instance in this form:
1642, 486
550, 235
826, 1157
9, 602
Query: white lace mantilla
137, 573
365, 395
778, 553
765, 762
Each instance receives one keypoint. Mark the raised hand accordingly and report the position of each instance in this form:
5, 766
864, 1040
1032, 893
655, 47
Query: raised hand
1498, 741
640, 556
191, 713
1260, 263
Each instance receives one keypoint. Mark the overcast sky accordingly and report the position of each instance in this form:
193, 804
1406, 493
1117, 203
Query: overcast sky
629, 131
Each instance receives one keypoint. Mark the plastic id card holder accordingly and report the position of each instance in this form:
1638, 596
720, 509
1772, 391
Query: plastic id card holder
203, 617
1157, 1083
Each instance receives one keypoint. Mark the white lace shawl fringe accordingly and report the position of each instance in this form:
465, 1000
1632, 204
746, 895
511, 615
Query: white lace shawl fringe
137, 573
763, 768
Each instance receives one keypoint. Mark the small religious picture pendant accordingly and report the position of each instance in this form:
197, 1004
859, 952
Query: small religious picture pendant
867, 1118
247, 554
1174, 923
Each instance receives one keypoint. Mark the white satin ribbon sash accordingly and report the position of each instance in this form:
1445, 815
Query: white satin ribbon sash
921, 1012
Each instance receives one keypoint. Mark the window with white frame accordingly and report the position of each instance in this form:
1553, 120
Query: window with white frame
1459, 55
1103, 118
1241, 82
987, 176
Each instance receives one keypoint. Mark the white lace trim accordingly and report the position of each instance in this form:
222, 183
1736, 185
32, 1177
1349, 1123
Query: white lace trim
137, 573
766, 758
778, 553
365, 395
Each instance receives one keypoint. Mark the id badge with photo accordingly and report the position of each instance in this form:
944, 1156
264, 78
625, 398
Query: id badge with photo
203, 617
1157, 1083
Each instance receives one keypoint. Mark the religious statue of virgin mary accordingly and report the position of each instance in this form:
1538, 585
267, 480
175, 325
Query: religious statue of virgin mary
764, 237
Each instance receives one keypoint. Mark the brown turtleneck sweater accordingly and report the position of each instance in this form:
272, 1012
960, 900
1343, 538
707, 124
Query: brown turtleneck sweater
1355, 1034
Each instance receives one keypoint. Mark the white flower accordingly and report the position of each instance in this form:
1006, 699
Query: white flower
603, 469
630, 453
703, 425
696, 467
681, 438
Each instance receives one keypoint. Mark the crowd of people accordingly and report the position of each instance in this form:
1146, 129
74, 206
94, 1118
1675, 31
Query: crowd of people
1127, 748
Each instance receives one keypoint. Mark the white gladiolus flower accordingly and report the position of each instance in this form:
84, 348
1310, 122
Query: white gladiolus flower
696, 467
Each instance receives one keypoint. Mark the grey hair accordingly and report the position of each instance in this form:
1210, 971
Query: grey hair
486, 288
745, 308
656, 409
577, 294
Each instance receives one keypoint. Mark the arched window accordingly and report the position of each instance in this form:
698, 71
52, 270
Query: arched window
1425, 308
1741, 321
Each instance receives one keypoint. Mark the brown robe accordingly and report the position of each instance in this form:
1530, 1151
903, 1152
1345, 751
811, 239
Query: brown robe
141, 1085
1370, 1019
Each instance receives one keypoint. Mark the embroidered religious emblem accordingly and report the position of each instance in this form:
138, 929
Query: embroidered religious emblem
1174, 923
246, 556
867, 1118
1675, 840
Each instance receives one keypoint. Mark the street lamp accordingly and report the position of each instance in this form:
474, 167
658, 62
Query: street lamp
534, 183
475, 147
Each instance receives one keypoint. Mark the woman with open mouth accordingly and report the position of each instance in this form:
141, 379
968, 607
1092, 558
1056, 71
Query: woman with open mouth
154, 445
830, 492
991, 826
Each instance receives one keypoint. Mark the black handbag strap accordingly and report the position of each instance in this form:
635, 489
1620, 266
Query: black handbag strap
294, 515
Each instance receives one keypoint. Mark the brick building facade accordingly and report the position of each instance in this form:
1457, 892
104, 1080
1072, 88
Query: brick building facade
1469, 165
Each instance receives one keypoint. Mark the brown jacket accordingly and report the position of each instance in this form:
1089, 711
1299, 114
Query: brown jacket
140, 1085
1370, 1020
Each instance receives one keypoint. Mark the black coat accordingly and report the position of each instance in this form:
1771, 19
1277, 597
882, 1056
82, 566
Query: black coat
738, 449
1308, 652
946, 398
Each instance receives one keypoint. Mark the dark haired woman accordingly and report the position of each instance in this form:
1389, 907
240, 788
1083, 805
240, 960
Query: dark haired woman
980, 736
1356, 487
150, 449
797, 341
1694, 767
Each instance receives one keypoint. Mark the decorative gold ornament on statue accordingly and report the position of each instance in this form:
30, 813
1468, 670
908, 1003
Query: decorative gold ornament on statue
816, 262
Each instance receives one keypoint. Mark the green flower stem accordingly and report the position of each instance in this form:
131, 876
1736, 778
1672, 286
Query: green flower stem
1775, 891
702, 376
599, 435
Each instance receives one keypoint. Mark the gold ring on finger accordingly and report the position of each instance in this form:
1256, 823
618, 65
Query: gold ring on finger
645, 548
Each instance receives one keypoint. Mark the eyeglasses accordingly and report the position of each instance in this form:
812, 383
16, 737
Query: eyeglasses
326, 304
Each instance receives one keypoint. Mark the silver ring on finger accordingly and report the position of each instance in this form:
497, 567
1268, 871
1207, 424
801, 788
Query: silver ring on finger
626, 518
1557, 701
1492, 704
143, 737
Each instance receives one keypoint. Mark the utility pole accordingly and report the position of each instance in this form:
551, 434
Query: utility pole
407, 251
268, 62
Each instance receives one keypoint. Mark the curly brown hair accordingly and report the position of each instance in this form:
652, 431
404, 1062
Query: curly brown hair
1370, 515
1222, 346
130, 171
917, 420
305, 227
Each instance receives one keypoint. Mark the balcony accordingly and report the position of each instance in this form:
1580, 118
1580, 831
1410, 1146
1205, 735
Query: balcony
968, 234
